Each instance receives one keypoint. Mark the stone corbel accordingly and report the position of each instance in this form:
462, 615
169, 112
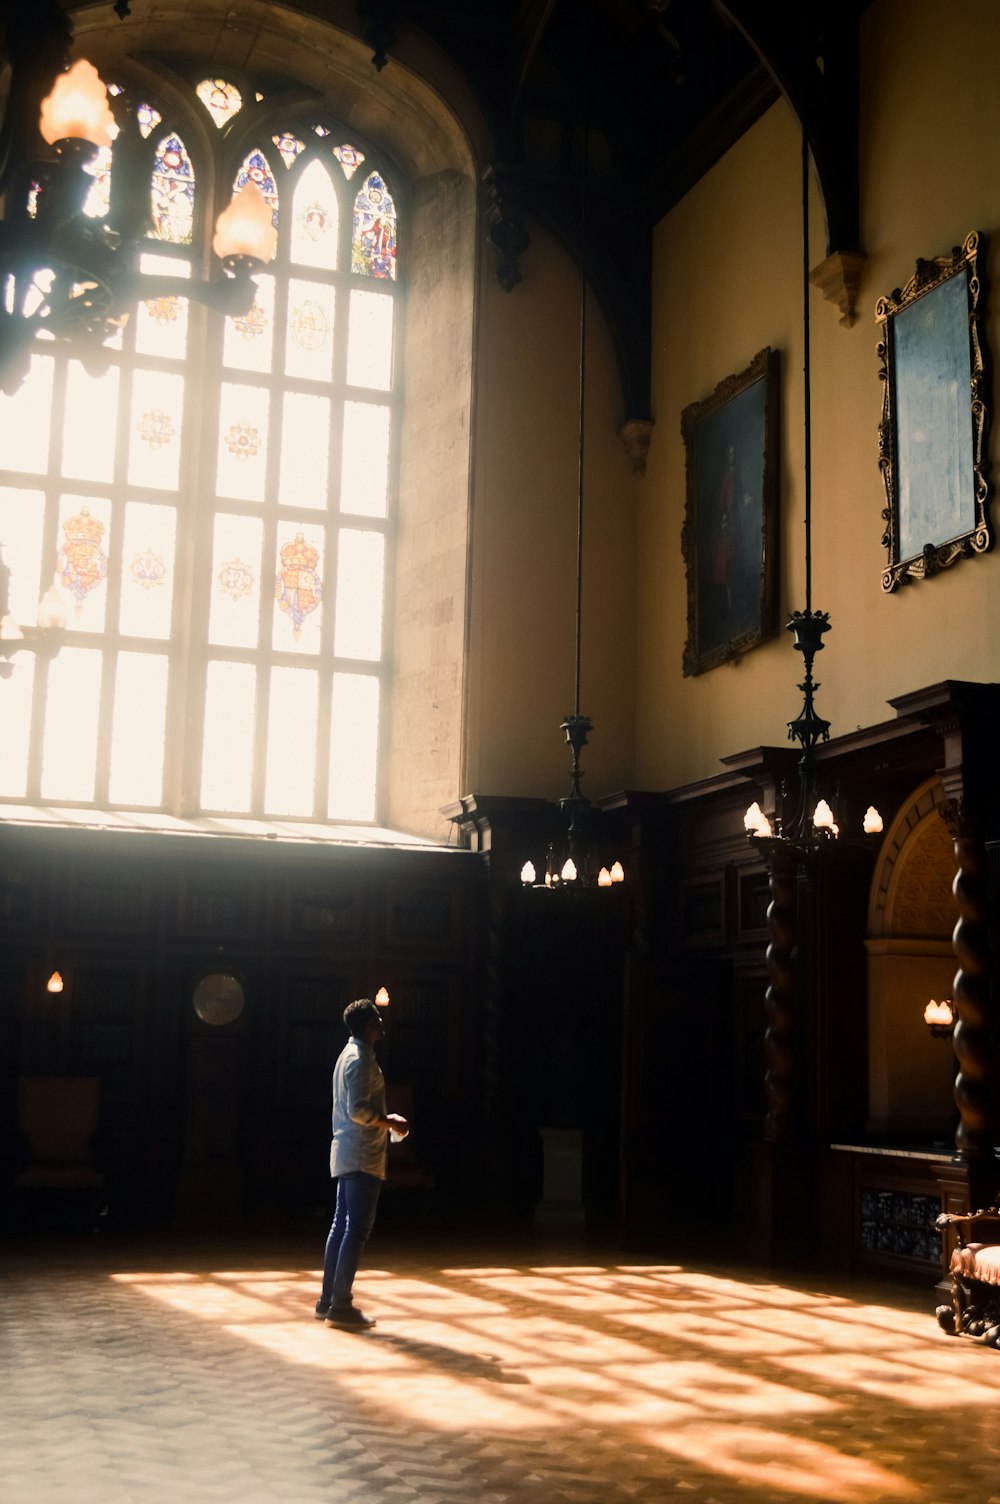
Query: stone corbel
839, 280
636, 434
379, 33
505, 229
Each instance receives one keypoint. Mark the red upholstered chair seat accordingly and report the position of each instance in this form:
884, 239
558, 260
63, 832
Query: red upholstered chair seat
978, 1261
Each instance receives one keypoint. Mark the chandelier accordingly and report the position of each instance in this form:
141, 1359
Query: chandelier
812, 824
63, 274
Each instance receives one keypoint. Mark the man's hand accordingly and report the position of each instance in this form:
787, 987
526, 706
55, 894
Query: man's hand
398, 1126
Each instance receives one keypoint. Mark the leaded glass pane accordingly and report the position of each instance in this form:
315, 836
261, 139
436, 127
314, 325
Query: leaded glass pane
353, 747
248, 341
172, 192
22, 518
360, 582
227, 750
137, 729
16, 697
369, 340
349, 158
148, 119
305, 451
243, 421
315, 219
154, 451
290, 146
98, 200
147, 577
82, 560
256, 169
298, 588
309, 334
364, 476
291, 741
321, 131
236, 555
222, 100
69, 746
26, 418
373, 246
90, 423
161, 324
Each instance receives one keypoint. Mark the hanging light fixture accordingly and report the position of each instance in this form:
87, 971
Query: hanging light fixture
63, 273
571, 862
811, 824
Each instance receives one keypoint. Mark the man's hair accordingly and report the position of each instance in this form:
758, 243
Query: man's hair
358, 1015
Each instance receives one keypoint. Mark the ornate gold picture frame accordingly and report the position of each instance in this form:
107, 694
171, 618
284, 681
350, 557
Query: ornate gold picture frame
729, 539
934, 416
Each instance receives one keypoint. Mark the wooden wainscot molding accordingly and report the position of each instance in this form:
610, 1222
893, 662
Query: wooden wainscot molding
839, 280
636, 434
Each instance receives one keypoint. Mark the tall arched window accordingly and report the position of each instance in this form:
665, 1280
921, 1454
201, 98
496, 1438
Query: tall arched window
214, 495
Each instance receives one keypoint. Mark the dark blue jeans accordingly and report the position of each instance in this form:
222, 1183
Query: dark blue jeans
353, 1220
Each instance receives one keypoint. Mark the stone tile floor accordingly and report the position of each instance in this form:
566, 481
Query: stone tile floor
182, 1373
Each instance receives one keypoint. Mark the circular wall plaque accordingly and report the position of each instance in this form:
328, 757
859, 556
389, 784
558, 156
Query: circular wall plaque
219, 998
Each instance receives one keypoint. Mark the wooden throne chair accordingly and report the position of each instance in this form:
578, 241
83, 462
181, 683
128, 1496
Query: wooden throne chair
974, 1267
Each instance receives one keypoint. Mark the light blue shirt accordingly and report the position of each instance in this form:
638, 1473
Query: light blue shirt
358, 1107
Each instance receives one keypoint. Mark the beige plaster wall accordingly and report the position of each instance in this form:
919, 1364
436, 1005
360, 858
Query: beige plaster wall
911, 1075
523, 561
727, 281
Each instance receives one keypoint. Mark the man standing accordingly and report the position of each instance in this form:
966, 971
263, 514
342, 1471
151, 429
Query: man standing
361, 1129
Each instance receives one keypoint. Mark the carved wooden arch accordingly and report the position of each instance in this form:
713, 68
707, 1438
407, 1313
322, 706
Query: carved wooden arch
911, 892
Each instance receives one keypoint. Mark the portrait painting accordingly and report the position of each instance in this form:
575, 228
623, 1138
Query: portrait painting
730, 522
933, 418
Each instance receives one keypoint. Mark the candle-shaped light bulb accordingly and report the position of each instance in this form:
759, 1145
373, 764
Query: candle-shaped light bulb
752, 818
568, 873
246, 228
9, 629
873, 821
51, 610
77, 108
823, 817
528, 874
382, 997
617, 872
54, 983
604, 878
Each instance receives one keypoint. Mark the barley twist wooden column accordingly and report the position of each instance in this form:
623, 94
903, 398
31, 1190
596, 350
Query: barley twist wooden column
780, 1036
976, 1084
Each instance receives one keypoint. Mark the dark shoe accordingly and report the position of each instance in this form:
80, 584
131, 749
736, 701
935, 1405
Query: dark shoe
349, 1316
322, 1309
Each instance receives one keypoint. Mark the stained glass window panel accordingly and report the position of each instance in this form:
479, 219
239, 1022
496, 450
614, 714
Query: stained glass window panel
25, 420
98, 200
236, 555
257, 170
364, 474
69, 747
369, 341
222, 100
353, 747
227, 750
373, 246
137, 729
147, 575
243, 421
289, 146
22, 517
16, 696
172, 192
154, 452
315, 219
305, 451
82, 560
291, 741
248, 341
360, 585
90, 423
309, 334
161, 324
298, 588
148, 119
349, 158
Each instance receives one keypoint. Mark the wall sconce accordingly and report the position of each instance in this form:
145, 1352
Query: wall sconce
940, 1018
72, 276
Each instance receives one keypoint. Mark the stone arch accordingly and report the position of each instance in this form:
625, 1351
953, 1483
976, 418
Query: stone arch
911, 915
